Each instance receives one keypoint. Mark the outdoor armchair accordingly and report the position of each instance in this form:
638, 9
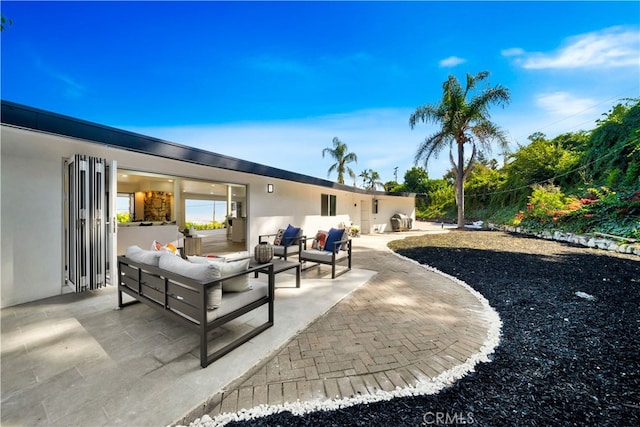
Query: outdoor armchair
285, 242
330, 248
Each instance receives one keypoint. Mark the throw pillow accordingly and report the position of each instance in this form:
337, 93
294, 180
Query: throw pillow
204, 259
334, 235
278, 239
237, 284
214, 297
202, 272
319, 240
197, 259
137, 254
237, 256
290, 235
157, 246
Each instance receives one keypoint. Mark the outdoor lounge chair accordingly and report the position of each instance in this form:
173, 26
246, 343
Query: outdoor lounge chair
330, 248
285, 242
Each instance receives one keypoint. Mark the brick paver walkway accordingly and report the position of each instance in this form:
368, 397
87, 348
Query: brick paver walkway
405, 325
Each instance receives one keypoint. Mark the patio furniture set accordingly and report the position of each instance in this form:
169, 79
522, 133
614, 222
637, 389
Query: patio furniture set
206, 293
331, 248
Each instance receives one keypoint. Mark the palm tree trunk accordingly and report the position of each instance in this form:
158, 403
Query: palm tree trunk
460, 185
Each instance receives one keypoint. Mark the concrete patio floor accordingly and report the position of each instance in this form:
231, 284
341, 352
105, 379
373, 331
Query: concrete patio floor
76, 360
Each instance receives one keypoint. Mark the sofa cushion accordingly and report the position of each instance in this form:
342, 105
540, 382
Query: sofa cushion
204, 259
237, 284
202, 272
334, 235
236, 300
214, 297
237, 256
137, 254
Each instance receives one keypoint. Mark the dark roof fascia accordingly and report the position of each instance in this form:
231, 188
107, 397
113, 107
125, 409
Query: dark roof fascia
45, 121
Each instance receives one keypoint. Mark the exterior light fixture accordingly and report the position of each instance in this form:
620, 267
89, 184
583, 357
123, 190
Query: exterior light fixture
269, 188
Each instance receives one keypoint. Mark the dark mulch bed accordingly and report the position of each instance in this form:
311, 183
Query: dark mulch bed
562, 359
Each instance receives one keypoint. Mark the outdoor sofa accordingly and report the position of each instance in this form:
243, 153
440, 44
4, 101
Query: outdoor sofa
202, 296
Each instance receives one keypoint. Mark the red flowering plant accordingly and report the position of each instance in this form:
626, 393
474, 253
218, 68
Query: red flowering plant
611, 212
545, 204
602, 210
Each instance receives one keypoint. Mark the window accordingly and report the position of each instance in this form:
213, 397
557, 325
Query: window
205, 214
125, 207
327, 205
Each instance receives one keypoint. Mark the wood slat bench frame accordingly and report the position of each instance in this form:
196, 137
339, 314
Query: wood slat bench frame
185, 300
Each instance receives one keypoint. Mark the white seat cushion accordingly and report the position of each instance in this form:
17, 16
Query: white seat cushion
279, 250
321, 256
232, 301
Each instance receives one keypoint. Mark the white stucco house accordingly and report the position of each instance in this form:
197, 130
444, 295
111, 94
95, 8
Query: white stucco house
61, 178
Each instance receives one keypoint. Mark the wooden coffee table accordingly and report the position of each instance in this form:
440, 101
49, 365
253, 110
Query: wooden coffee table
280, 265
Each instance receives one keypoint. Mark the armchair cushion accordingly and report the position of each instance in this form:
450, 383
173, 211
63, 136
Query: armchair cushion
320, 240
324, 257
334, 235
291, 236
278, 239
291, 250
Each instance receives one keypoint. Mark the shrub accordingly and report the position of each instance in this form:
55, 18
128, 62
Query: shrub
123, 217
600, 210
214, 225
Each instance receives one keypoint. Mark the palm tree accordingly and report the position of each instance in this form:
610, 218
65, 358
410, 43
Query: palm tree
461, 122
340, 154
371, 179
365, 178
5, 21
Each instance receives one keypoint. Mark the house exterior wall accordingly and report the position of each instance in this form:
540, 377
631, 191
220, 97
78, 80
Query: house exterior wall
389, 206
31, 225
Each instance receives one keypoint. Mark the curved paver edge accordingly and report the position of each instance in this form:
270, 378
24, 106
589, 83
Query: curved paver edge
424, 387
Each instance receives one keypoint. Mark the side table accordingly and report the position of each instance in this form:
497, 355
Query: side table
192, 245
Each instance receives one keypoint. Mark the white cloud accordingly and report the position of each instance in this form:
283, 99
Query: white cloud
564, 105
552, 113
72, 89
381, 138
609, 48
514, 51
452, 61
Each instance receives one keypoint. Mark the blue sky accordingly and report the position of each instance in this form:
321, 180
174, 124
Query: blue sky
274, 82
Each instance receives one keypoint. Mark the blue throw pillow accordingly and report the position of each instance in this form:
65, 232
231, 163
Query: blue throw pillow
290, 235
334, 235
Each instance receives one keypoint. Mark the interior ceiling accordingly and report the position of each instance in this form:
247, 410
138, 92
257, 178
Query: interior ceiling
189, 186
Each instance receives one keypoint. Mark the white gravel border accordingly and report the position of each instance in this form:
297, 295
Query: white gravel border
425, 386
